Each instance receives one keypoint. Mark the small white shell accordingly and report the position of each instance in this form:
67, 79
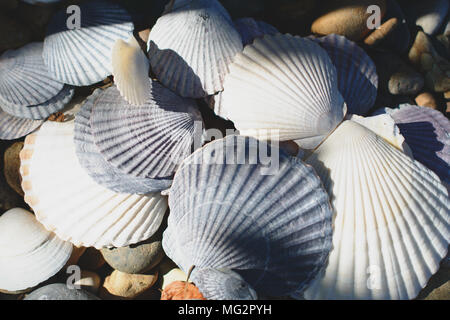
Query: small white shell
12, 127
287, 84
190, 48
81, 57
130, 70
24, 78
67, 201
392, 218
29, 254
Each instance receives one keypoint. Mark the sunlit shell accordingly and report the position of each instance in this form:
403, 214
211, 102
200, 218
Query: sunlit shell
391, 223
270, 223
250, 29
29, 254
24, 78
357, 74
12, 128
67, 201
40, 111
82, 56
147, 141
427, 132
283, 84
191, 47
130, 70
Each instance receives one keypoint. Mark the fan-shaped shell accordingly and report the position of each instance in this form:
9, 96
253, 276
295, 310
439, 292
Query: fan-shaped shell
147, 141
190, 48
272, 225
427, 132
40, 111
391, 223
67, 201
97, 167
287, 84
250, 29
357, 74
24, 78
29, 254
130, 71
14, 128
82, 56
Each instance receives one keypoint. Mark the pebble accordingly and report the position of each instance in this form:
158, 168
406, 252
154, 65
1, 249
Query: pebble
426, 99
59, 291
138, 258
406, 82
13, 34
436, 69
346, 17
91, 259
89, 281
429, 14
128, 286
11, 167
177, 290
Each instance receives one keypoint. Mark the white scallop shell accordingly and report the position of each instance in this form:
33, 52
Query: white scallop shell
24, 78
190, 48
149, 140
40, 111
81, 57
230, 209
130, 70
392, 218
287, 84
357, 73
12, 127
29, 254
67, 201
250, 29
95, 164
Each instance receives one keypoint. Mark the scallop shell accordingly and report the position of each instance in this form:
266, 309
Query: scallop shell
24, 78
29, 254
272, 225
250, 29
81, 57
287, 84
146, 141
12, 128
67, 201
427, 132
392, 218
190, 48
130, 70
97, 167
357, 73
224, 285
40, 111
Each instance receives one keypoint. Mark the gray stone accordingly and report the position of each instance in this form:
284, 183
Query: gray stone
406, 82
60, 291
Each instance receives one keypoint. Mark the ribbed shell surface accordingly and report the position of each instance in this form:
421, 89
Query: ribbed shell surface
12, 127
273, 228
190, 48
391, 223
82, 57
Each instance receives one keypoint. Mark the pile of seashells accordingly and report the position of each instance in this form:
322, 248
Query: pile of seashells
311, 197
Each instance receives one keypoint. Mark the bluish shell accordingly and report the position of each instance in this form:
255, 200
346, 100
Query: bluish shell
357, 75
12, 128
24, 78
427, 133
272, 226
40, 111
250, 29
145, 141
98, 168
81, 57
